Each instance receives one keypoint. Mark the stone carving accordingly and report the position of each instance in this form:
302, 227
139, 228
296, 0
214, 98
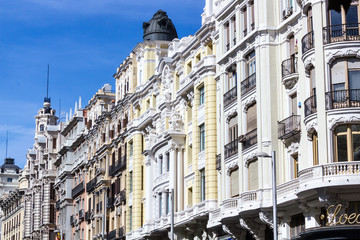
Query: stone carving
176, 122
167, 83
249, 101
342, 119
332, 55
230, 114
252, 228
266, 218
248, 158
231, 167
293, 148
232, 230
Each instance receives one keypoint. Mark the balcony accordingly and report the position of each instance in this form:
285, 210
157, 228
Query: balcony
117, 166
82, 214
341, 33
310, 105
342, 99
88, 216
289, 127
230, 96
249, 139
308, 42
111, 235
121, 233
231, 148
122, 195
77, 190
248, 84
218, 161
91, 185
289, 66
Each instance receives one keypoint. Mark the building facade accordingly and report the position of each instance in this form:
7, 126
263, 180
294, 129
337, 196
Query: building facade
40, 172
12, 206
9, 181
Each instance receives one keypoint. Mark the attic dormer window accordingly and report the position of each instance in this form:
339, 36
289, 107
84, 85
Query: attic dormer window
41, 128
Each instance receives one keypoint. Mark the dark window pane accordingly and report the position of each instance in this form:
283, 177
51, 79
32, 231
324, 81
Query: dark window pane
356, 147
352, 15
342, 148
341, 129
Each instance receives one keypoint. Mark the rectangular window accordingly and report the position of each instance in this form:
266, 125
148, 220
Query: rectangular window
293, 104
297, 225
251, 118
234, 181
189, 197
161, 163
202, 137
295, 165
202, 185
167, 203
202, 95
54, 143
131, 149
131, 181
160, 205
167, 161
253, 180
131, 213
245, 22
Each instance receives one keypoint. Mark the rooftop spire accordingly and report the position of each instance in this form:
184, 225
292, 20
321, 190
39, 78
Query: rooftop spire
47, 99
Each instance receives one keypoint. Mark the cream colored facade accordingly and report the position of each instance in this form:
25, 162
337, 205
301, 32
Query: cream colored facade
12, 206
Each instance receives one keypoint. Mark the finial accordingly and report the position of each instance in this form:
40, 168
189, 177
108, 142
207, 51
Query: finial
80, 102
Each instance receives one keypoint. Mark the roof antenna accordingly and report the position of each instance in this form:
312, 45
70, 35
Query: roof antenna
47, 83
7, 139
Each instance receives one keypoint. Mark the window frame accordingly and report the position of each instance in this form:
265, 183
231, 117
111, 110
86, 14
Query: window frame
202, 137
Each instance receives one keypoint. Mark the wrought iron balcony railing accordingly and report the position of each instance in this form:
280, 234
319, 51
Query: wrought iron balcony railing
57, 204
341, 33
248, 84
111, 235
77, 190
342, 99
117, 166
249, 139
289, 66
310, 105
308, 42
72, 220
91, 185
230, 96
121, 233
289, 127
231, 148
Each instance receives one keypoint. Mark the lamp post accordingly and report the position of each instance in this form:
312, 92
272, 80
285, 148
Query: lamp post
274, 195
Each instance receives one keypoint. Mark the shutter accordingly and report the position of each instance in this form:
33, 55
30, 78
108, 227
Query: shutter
251, 118
292, 45
253, 181
293, 100
234, 179
338, 72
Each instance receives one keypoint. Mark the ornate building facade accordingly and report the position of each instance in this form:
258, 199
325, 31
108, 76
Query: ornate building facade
40, 172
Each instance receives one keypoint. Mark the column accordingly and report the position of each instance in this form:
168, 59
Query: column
37, 208
149, 166
180, 180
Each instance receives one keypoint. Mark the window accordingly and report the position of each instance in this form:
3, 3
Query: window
131, 149
202, 137
312, 82
167, 203
202, 95
167, 161
131, 181
250, 67
202, 185
297, 225
160, 205
309, 20
288, 8
244, 14
293, 104
227, 36
189, 196
41, 128
347, 143
251, 121
161, 163
231, 78
131, 213
253, 180
234, 182
54, 143
9, 180
295, 160
252, 17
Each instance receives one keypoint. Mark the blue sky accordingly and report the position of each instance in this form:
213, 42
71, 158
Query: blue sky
84, 41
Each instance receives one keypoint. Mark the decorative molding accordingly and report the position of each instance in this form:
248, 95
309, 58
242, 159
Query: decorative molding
230, 114
345, 52
231, 167
249, 101
248, 158
232, 230
293, 148
335, 120
266, 218
250, 227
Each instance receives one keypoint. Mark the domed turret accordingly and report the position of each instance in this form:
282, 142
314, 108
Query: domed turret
160, 27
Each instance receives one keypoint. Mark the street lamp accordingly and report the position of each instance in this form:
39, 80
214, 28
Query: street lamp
171, 192
273, 158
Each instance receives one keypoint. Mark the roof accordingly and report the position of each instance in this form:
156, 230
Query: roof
160, 27
9, 163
